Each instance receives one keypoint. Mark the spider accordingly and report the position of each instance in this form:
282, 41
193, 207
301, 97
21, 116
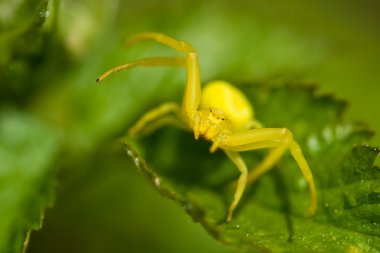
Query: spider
221, 114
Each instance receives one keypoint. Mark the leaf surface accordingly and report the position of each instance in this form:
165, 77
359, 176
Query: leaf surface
271, 216
27, 151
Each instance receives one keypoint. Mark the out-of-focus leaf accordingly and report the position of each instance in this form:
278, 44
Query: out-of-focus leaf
271, 216
21, 45
27, 150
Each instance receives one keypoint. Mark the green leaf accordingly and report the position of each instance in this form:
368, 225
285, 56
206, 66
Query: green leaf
22, 43
271, 216
27, 150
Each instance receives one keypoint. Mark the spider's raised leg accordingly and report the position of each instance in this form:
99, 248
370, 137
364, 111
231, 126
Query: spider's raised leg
178, 45
147, 62
192, 95
165, 114
241, 183
280, 139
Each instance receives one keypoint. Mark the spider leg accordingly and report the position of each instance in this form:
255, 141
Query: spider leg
178, 45
296, 152
157, 118
192, 95
168, 120
280, 139
241, 183
147, 62
268, 162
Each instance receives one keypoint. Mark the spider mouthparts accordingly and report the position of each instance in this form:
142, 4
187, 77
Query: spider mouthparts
213, 147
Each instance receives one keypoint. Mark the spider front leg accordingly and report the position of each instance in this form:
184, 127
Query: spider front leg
280, 139
192, 95
275, 154
165, 114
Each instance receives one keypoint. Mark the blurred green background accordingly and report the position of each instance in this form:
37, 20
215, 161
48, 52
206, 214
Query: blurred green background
48, 69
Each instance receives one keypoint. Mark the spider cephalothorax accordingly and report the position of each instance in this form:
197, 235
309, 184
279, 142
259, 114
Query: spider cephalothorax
221, 114
211, 123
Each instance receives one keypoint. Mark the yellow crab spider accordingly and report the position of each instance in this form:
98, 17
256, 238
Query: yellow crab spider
219, 113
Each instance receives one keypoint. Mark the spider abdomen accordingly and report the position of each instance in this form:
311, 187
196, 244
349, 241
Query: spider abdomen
230, 100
